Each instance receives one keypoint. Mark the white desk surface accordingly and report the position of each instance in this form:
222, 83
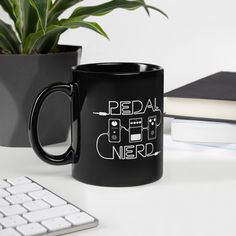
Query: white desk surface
195, 197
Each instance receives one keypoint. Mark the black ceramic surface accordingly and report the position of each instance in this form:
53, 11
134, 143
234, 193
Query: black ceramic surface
22, 77
117, 130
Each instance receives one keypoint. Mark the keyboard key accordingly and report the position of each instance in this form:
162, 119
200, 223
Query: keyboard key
3, 202
24, 188
79, 218
13, 210
49, 197
50, 213
4, 193
56, 224
19, 198
18, 181
36, 205
12, 221
4, 184
39, 194
9, 232
54, 200
31, 229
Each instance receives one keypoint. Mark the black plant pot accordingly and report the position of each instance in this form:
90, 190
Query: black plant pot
22, 78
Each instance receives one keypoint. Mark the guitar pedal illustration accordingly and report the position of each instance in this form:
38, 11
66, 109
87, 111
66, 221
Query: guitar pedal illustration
152, 129
114, 127
135, 130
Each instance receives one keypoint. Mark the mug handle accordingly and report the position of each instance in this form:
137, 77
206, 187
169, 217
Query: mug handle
71, 91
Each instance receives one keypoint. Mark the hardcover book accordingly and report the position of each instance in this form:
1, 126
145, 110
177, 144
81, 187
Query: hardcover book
210, 98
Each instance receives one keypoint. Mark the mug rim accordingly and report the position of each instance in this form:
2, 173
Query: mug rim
152, 68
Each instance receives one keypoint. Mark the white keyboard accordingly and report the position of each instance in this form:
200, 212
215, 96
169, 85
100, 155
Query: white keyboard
28, 209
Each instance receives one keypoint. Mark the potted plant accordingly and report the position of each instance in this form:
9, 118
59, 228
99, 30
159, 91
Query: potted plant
31, 59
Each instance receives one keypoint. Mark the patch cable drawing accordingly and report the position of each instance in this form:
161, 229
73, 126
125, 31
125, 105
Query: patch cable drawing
101, 113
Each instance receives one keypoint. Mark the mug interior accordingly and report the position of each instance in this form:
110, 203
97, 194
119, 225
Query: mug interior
117, 68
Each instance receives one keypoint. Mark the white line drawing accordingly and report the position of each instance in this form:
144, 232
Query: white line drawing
112, 108
129, 152
139, 150
136, 103
152, 127
101, 113
125, 152
126, 108
149, 153
114, 130
150, 105
122, 127
154, 154
160, 117
135, 130
97, 147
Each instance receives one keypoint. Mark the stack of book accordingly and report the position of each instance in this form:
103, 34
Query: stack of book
204, 111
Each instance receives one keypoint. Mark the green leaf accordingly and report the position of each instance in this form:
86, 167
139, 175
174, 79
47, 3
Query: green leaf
76, 22
41, 7
58, 7
145, 7
8, 7
32, 42
157, 9
10, 35
26, 18
5, 44
105, 8
36, 41
48, 43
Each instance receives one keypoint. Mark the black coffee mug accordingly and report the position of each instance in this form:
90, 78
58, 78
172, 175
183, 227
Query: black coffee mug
117, 127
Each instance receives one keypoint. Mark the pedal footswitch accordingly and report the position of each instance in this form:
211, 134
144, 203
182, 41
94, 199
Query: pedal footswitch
135, 130
114, 126
152, 127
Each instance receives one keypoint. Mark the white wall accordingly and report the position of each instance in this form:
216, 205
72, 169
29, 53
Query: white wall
198, 39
